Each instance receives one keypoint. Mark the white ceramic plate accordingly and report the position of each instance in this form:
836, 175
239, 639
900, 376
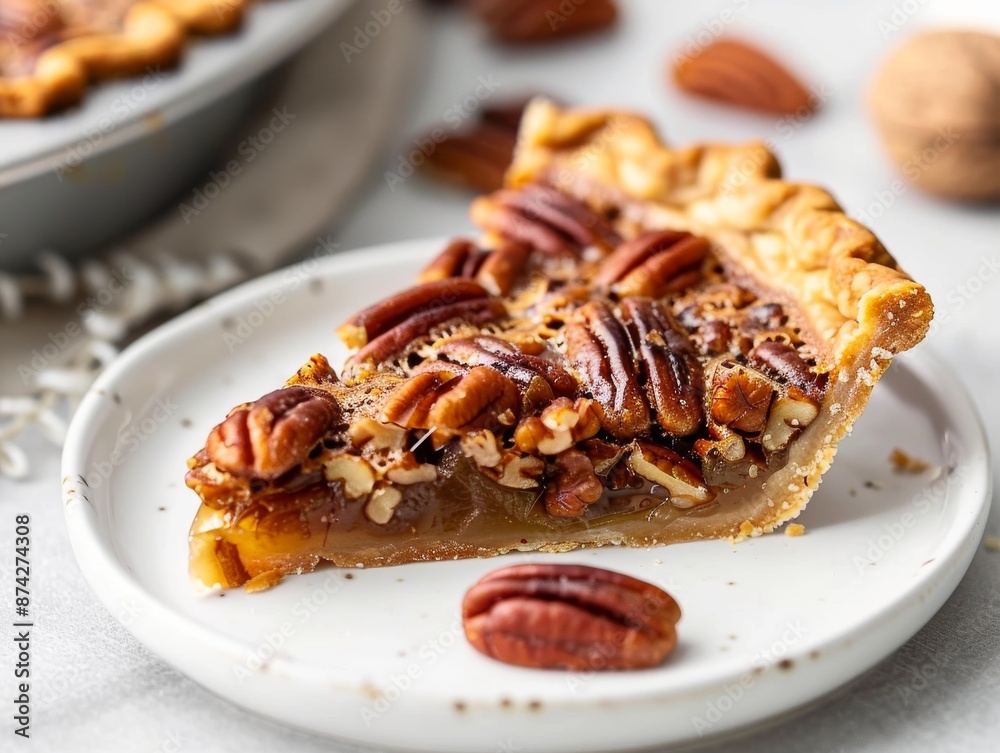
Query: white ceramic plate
377, 655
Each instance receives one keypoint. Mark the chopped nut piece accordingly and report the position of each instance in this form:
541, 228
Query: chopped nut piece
356, 474
264, 581
377, 435
415, 473
517, 471
482, 447
904, 463
740, 398
795, 529
560, 426
680, 477
603, 455
574, 487
788, 416
382, 505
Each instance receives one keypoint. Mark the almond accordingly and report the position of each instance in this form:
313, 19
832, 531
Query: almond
740, 74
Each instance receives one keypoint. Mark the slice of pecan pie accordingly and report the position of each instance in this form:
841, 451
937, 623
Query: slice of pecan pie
646, 346
51, 49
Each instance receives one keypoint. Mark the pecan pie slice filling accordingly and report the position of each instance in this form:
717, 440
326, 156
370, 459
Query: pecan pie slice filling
576, 379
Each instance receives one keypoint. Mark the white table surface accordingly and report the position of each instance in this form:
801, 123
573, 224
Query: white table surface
96, 689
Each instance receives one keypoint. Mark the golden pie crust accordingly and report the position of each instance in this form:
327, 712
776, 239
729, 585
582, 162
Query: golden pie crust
604, 179
791, 238
152, 34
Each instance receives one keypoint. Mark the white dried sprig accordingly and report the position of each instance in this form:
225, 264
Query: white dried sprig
163, 285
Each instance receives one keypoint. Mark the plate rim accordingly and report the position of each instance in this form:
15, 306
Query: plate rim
113, 584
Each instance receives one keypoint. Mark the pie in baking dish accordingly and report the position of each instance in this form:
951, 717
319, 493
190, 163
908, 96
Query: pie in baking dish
51, 49
646, 345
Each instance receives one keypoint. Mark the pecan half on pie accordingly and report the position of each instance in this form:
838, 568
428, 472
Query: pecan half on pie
646, 346
51, 49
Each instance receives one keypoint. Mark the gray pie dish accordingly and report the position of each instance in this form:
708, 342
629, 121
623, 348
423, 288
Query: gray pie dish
74, 182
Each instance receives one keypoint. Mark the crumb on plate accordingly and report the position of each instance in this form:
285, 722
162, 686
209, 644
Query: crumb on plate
904, 463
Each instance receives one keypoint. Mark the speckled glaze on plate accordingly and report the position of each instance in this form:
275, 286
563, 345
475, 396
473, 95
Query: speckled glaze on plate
377, 656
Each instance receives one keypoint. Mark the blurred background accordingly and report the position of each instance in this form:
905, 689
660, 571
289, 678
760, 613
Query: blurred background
327, 125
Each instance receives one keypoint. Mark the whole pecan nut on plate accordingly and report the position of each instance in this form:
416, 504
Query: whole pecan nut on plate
570, 617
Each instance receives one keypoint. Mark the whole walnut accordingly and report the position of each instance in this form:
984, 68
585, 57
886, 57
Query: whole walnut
937, 104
